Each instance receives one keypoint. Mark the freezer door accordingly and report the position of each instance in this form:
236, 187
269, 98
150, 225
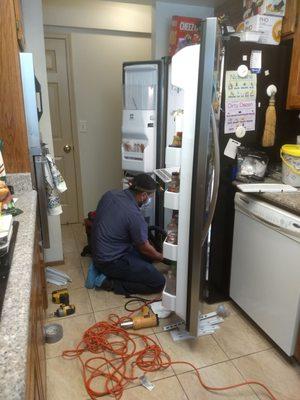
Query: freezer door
208, 95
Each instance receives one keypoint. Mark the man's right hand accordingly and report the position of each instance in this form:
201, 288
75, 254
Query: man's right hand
149, 251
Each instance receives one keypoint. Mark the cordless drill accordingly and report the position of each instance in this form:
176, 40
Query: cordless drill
147, 320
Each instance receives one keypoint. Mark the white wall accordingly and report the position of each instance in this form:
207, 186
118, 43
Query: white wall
98, 14
103, 35
161, 23
34, 34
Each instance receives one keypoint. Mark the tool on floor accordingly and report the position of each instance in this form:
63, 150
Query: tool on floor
147, 320
53, 333
63, 311
61, 296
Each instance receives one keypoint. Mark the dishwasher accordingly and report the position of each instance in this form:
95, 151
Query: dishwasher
265, 268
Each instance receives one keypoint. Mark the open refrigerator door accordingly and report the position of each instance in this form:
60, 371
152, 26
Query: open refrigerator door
193, 114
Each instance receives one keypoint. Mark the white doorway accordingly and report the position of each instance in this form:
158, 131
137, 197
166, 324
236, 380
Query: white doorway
62, 117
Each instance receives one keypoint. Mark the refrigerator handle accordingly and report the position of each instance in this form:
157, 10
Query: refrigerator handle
216, 177
42, 199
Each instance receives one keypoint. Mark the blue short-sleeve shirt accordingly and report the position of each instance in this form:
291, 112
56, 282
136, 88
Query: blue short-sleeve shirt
119, 226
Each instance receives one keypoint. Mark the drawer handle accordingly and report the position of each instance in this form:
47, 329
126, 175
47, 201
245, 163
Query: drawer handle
296, 225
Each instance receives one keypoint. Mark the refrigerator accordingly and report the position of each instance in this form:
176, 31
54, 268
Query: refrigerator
33, 110
274, 70
191, 90
196, 92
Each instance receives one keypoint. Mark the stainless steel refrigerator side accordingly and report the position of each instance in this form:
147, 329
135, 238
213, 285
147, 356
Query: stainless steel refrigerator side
34, 141
199, 185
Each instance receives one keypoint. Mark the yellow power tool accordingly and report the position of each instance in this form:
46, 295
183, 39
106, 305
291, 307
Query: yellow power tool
147, 320
61, 296
64, 311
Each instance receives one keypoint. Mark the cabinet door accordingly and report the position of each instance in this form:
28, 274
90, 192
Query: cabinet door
293, 98
290, 18
19, 23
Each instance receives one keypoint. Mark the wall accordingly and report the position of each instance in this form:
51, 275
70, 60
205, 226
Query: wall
103, 36
162, 14
34, 36
98, 15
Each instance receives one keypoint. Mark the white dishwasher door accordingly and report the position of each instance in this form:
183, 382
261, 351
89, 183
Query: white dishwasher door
265, 277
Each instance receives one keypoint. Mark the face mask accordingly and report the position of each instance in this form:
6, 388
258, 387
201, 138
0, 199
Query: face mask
147, 203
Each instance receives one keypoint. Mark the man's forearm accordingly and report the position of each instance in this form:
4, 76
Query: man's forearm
149, 251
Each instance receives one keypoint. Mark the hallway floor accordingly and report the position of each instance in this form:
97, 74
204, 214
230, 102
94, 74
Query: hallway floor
237, 351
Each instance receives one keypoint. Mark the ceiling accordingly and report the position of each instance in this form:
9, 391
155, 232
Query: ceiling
212, 3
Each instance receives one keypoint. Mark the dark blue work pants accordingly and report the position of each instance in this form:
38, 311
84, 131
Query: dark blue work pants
133, 274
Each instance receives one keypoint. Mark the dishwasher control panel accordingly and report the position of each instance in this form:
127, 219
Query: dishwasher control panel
269, 214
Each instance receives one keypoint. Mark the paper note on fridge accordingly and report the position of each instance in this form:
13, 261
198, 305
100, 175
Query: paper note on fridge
239, 113
231, 148
238, 88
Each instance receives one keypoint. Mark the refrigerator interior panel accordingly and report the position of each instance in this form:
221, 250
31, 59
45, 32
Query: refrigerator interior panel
276, 60
208, 87
139, 120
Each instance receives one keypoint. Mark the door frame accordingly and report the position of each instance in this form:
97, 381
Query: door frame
67, 38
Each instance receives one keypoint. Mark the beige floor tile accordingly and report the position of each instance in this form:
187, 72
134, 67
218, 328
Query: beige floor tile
201, 352
238, 337
70, 246
73, 330
79, 233
140, 344
85, 262
64, 380
222, 374
75, 273
207, 308
78, 297
72, 259
103, 300
165, 389
270, 368
121, 312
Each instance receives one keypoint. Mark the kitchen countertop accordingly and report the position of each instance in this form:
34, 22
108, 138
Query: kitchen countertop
287, 201
14, 323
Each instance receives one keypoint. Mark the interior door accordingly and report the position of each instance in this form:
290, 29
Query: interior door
60, 111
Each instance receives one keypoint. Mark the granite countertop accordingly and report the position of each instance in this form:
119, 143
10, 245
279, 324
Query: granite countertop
287, 201
14, 323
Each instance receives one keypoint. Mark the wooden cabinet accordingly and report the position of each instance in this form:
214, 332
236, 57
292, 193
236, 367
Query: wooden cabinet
293, 97
290, 19
36, 359
12, 117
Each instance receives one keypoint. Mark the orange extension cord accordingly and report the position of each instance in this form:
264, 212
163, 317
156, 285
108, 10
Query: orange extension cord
118, 370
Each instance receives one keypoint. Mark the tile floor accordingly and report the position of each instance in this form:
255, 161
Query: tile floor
235, 353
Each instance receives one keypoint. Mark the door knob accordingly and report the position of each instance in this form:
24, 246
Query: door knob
67, 148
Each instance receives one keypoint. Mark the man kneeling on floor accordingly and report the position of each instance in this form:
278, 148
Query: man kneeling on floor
122, 254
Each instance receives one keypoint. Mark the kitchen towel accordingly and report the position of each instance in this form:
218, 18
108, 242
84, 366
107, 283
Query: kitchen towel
54, 206
57, 177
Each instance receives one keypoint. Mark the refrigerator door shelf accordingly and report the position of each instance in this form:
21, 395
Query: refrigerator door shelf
170, 251
171, 200
173, 156
169, 301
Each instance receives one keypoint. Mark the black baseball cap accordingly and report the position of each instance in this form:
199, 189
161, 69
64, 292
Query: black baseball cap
144, 183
